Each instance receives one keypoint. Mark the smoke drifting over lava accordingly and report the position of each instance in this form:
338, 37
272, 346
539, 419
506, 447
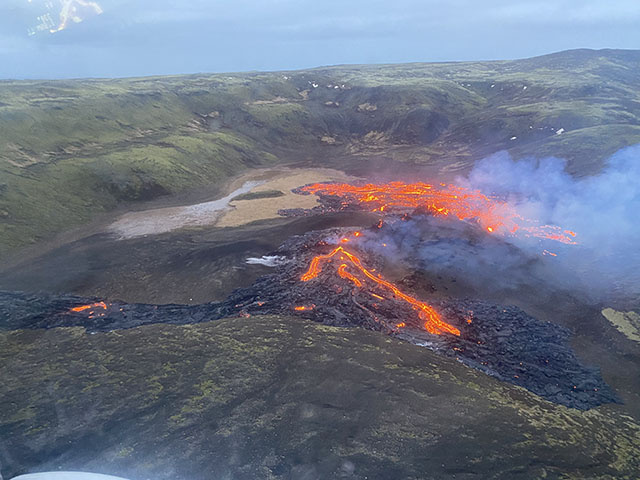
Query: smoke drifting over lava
510, 224
603, 265
604, 209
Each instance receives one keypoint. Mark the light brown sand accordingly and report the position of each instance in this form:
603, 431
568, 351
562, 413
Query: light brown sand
161, 220
284, 180
225, 212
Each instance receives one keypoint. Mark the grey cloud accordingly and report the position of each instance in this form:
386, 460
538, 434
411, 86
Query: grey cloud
160, 36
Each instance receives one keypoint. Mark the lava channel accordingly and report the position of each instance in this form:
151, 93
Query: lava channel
433, 323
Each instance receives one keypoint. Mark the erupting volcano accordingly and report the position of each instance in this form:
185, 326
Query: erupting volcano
329, 276
492, 213
433, 323
333, 276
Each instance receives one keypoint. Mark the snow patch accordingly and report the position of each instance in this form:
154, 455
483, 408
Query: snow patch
267, 260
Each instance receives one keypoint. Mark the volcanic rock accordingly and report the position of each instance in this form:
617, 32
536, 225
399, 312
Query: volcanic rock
501, 341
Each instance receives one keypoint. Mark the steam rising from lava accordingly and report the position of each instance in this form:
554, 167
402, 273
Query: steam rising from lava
493, 214
538, 225
603, 209
433, 323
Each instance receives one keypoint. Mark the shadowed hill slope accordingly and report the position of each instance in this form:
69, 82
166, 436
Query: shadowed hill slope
274, 397
71, 149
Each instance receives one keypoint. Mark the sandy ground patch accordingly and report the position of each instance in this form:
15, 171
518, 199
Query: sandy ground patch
226, 212
284, 180
161, 220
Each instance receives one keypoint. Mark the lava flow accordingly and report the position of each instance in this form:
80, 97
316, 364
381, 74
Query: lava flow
304, 308
491, 213
433, 323
82, 308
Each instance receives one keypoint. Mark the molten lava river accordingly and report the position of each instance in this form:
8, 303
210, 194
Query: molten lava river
492, 214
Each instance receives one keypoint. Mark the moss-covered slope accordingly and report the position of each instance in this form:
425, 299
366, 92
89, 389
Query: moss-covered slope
70, 149
272, 397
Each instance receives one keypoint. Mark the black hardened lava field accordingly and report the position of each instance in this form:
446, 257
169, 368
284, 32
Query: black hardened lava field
318, 277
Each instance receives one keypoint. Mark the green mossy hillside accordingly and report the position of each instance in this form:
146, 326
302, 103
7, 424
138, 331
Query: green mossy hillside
272, 397
71, 149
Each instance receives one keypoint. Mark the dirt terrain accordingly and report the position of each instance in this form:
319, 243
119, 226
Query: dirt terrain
231, 210
282, 180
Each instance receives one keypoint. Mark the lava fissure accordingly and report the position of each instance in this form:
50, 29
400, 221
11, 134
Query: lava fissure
82, 308
493, 214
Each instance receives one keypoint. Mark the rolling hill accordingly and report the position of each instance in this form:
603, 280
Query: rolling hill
72, 149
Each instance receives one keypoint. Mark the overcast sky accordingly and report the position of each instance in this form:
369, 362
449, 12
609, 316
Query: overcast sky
144, 37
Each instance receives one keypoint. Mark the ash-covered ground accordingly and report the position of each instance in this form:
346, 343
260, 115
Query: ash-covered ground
501, 341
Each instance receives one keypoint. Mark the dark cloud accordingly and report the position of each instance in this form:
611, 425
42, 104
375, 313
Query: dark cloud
161, 36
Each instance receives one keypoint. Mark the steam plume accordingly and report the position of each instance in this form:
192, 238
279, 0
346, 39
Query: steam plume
604, 210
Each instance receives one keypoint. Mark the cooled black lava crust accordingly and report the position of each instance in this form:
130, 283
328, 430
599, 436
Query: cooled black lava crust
501, 341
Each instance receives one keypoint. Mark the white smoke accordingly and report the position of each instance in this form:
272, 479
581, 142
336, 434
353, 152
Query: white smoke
603, 210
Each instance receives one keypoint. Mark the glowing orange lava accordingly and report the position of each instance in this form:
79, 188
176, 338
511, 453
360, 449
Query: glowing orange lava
303, 308
342, 271
82, 308
433, 323
491, 213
